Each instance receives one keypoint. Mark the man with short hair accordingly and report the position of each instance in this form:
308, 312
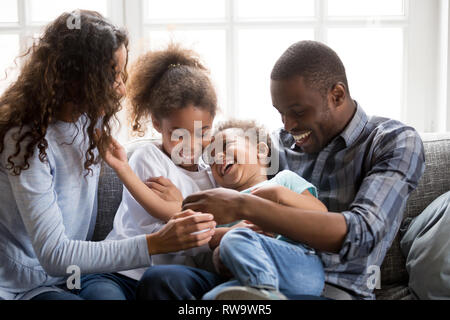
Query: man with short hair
364, 168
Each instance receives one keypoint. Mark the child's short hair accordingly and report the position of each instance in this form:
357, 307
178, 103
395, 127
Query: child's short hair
261, 132
168, 80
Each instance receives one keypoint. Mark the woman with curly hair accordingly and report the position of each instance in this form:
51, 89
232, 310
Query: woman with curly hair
68, 90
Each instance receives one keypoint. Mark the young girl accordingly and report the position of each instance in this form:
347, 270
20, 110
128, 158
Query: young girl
172, 88
70, 85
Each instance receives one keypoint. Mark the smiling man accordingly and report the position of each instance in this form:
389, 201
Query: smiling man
364, 168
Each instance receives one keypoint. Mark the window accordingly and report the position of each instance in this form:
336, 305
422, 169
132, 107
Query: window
378, 40
390, 47
21, 20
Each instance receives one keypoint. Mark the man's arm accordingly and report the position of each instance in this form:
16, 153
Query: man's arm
287, 197
300, 225
324, 231
398, 163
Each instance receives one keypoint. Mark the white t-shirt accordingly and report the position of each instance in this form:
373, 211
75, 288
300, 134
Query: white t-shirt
132, 219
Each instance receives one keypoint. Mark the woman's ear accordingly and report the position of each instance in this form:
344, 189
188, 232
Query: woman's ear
156, 125
263, 152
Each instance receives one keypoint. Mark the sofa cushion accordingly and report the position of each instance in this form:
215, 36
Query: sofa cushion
109, 196
434, 182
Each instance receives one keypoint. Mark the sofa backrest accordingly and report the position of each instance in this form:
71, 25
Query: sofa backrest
434, 182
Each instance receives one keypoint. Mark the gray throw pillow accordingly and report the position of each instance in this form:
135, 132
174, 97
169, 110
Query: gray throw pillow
426, 246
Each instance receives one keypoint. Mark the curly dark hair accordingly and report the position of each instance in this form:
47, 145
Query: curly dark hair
66, 66
316, 62
168, 80
262, 135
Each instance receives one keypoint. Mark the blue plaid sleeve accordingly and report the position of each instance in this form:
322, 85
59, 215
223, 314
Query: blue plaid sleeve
397, 165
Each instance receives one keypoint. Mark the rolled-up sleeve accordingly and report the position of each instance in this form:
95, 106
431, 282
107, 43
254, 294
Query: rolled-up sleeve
397, 163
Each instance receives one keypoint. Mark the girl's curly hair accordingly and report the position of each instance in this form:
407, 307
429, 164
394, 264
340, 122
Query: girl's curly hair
66, 66
167, 80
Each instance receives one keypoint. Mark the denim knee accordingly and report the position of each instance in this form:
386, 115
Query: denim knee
232, 239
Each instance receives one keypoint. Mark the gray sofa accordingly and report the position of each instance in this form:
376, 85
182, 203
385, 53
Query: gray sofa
394, 277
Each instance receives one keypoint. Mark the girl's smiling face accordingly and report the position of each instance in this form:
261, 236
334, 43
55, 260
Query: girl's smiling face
185, 133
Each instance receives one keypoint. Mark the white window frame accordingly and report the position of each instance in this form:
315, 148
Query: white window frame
426, 82
25, 28
423, 106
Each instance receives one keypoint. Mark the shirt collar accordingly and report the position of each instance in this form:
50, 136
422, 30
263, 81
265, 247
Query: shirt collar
353, 130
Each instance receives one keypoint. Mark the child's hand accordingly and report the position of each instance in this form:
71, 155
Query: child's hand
217, 237
221, 269
113, 154
254, 227
165, 189
272, 193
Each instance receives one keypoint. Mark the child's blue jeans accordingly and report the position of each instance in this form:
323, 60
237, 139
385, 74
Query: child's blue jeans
264, 262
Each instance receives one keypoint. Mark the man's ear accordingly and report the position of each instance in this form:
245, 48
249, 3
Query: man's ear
263, 152
338, 94
156, 124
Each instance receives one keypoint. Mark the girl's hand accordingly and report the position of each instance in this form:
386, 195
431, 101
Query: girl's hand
180, 233
165, 189
113, 154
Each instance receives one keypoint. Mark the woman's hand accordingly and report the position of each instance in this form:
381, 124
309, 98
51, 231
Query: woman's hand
165, 189
182, 232
113, 154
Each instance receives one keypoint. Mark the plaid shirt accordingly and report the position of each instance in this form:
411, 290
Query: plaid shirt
366, 173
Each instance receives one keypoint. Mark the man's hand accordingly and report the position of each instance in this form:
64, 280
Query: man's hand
165, 189
224, 204
177, 233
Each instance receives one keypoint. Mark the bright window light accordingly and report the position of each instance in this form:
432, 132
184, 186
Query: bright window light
48, 10
365, 8
259, 49
185, 10
269, 9
8, 12
10, 49
374, 69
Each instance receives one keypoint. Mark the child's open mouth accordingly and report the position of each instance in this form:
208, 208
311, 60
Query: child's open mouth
226, 168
